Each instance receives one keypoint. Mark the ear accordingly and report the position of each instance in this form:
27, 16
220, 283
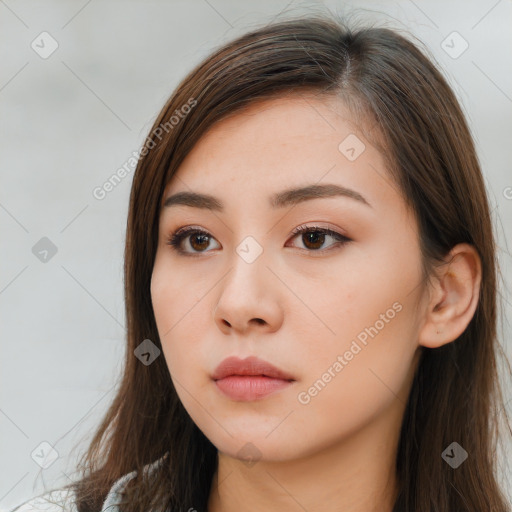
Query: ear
454, 297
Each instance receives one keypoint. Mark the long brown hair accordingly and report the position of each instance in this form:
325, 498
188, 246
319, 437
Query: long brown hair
390, 84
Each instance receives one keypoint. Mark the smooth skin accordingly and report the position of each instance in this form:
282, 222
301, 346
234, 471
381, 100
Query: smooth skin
299, 305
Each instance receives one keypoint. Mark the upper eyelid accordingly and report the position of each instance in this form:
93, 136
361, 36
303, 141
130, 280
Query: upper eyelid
185, 230
320, 225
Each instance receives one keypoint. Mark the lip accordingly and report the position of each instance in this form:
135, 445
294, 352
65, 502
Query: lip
249, 379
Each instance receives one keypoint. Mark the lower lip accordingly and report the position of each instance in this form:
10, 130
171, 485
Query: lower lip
251, 387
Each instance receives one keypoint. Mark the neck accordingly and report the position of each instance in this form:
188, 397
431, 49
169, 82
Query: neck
358, 474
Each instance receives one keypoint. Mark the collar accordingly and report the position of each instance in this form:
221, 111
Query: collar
111, 503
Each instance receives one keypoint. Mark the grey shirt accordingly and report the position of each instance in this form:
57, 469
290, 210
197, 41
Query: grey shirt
63, 500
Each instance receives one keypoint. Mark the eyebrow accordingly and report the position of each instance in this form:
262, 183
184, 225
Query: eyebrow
289, 197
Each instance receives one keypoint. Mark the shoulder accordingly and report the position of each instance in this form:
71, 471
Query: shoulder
57, 500
63, 500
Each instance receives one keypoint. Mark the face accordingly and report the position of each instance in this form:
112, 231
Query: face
334, 306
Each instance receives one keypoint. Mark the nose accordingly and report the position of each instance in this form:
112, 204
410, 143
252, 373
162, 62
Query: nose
250, 299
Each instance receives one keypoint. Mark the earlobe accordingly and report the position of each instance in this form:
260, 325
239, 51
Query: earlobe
454, 297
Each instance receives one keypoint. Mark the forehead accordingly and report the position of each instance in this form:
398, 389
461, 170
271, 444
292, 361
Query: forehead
277, 143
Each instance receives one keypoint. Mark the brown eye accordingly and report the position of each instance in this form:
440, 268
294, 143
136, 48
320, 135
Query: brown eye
314, 237
199, 242
197, 239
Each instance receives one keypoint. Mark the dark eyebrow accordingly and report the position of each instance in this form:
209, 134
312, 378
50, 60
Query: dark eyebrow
294, 196
282, 199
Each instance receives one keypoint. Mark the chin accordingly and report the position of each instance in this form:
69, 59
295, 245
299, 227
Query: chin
253, 444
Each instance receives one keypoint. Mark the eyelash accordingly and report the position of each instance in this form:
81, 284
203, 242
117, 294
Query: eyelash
175, 239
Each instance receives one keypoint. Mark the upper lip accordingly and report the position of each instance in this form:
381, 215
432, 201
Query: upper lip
250, 366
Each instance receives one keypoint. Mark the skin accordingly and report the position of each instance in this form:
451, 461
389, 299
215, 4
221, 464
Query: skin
336, 452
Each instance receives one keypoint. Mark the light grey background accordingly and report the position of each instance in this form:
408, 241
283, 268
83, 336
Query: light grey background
71, 120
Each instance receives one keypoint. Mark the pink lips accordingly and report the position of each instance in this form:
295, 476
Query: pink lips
250, 378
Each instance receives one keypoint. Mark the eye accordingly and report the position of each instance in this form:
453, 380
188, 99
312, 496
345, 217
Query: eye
313, 237
197, 238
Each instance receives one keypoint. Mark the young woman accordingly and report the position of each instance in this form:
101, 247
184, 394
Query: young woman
311, 291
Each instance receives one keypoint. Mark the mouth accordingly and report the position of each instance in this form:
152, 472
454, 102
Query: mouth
250, 379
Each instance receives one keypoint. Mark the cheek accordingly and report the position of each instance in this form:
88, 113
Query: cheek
167, 310
174, 297
179, 313
363, 360
350, 384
